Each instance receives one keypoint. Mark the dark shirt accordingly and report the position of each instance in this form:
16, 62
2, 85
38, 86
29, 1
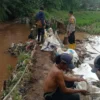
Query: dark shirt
40, 16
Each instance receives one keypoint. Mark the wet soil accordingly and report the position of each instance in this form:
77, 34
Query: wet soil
40, 70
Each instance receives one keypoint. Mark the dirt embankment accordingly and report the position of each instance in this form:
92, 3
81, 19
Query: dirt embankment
39, 70
43, 64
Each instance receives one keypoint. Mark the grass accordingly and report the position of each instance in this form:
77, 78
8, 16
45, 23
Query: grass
87, 18
23, 57
84, 19
93, 28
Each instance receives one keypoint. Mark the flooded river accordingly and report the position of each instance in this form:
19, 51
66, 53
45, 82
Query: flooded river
10, 33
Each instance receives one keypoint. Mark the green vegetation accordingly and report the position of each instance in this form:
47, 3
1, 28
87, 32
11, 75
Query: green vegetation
23, 56
83, 18
87, 17
86, 11
88, 21
92, 29
23, 60
16, 95
21, 8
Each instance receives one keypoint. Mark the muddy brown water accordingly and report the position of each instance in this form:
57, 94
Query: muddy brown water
10, 33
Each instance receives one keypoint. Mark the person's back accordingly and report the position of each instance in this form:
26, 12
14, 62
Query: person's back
39, 15
40, 23
40, 19
51, 82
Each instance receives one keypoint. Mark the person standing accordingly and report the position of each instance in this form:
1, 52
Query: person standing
40, 24
71, 30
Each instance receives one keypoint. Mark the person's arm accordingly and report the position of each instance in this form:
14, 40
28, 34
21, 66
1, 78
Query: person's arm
72, 79
62, 86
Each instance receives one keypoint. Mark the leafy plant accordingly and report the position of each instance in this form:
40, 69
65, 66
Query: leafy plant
10, 68
23, 56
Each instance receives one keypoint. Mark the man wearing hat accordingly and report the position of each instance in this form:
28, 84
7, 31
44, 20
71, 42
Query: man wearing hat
96, 64
57, 86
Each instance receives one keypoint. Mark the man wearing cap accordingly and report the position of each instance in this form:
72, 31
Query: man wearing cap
96, 64
57, 86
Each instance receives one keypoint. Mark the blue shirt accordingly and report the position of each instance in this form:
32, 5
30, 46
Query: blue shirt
40, 16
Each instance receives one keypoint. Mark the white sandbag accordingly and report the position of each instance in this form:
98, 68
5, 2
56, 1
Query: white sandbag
93, 90
74, 54
50, 31
90, 49
49, 43
90, 60
69, 51
82, 85
85, 70
59, 50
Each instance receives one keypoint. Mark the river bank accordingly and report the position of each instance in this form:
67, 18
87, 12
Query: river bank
31, 85
10, 33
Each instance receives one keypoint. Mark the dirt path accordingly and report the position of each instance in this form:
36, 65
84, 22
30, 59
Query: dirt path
40, 70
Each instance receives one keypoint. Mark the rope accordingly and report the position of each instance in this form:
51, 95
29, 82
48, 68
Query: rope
5, 98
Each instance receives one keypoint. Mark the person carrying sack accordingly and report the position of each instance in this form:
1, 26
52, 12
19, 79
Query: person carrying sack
71, 31
40, 24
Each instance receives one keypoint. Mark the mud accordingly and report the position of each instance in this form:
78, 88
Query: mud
39, 71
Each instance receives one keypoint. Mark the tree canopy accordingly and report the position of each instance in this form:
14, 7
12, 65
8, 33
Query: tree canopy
20, 8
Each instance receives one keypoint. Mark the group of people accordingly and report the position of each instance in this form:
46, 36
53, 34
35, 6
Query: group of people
41, 25
58, 86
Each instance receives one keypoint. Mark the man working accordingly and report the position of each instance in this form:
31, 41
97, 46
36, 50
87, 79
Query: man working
71, 30
40, 23
57, 86
96, 64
